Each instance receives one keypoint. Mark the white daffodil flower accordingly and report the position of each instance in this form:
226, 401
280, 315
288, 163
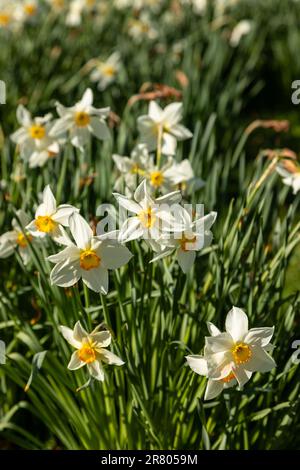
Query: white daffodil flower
7, 14
50, 219
152, 215
89, 259
242, 350
105, 72
163, 124
90, 350
290, 178
214, 386
33, 138
26, 10
132, 168
167, 178
142, 28
81, 120
159, 177
141, 166
187, 238
181, 176
15, 238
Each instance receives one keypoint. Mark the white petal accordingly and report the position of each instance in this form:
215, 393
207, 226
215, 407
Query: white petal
20, 136
237, 324
102, 338
70, 253
128, 204
96, 370
63, 213
75, 363
59, 235
260, 361
113, 255
259, 336
100, 112
81, 231
198, 364
64, 275
69, 336
162, 254
123, 164
148, 135
141, 193
60, 126
221, 343
99, 129
96, 279
213, 389
79, 332
186, 259
219, 364
87, 99
110, 358
173, 113
214, 331
49, 201
241, 375
131, 230
181, 132
209, 220
155, 111
170, 198
80, 136
169, 144
23, 116
6, 249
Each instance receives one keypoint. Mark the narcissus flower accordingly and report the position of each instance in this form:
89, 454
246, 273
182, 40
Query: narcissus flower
166, 178
151, 215
142, 28
90, 258
131, 169
7, 14
28, 9
81, 120
181, 176
235, 354
163, 124
33, 139
90, 350
18, 238
50, 219
187, 238
105, 72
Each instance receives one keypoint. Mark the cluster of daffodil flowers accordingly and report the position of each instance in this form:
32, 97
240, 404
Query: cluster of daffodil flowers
142, 25
41, 138
154, 184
